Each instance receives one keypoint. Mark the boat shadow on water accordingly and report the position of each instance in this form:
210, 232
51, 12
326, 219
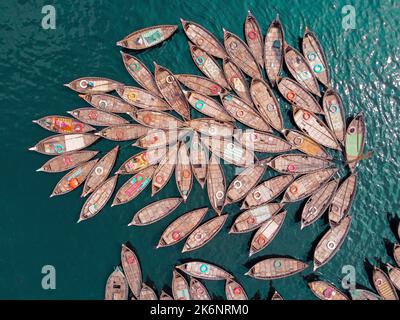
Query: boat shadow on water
394, 222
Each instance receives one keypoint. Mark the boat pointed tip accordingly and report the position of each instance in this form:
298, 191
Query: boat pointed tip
35, 121
52, 195
79, 220
315, 268
32, 148
40, 169
183, 21
302, 226
119, 43
68, 85
247, 273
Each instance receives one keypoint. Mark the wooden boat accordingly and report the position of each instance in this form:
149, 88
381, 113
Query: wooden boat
157, 138
331, 242
204, 233
198, 291
326, 291
180, 287
208, 66
266, 103
171, 91
203, 38
208, 106
276, 296
142, 161
147, 293
165, 296
306, 185
396, 253
63, 143
361, 294
133, 273
298, 164
97, 117
244, 113
60, 124
315, 57
343, 200
211, 127
236, 80
164, 170
262, 142
73, 179
300, 70
147, 37
204, 270
142, 99
107, 102
183, 172
310, 124
266, 233
273, 50
67, 161
297, 96
355, 141
124, 132
155, 211
216, 184
305, 144
156, 119
251, 219
98, 199
241, 55
140, 73
334, 114
198, 159
93, 85
254, 38
200, 84
267, 191
181, 227
100, 172
317, 204
234, 291
394, 275
117, 286
383, 285
275, 268
134, 186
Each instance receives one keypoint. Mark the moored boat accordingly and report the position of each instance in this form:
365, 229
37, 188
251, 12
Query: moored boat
165, 296
361, 294
97, 117
211, 127
67, 161
394, 275
216, 184
164, 170
198, 291
157, 119
298, 164
183, 172
157, 138
124, 132
133, 273
142, 161
334, 114
326, 291
180, 287
107, 102
200, 84
355, 141
147, 293
63, 125
236, 80
305, 144
383, 285
198, 159
204, 270
142, 99
273, 50
93, 85
234, 291
117, 286
261, 141
254, 38
275, 268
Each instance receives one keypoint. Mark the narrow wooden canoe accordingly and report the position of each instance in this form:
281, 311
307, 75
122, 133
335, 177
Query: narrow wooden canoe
147, 293
273, 50
142, 99
211, 127
107, 102
164, 170
198, 291
307, 184
142, 161
204, 233
267, 191
276, 296
216, 184
133, 272
300, 70
236, 80
355, 141
67, 161
275, 268
203, 38
204, 270
147, 37
117, 286
124, 132
183, 172
73, 179
156, 119
298, 164
165, 296
208, 106
254, 38
93, 85
297, 96
140, 73
315, 57
266, 103
266, 233
310, 124
157, 138
241, 55
234, 291
97, 117
343, 200
100, 172
334, 114
361, 294
317, 204
305, 144
326, 291
181, 227
155, 211
251, 219
244, 113
63, 125
198, 159
262, 142
394, 275
200, 84
208, 66
331, 242
63, 143
383, 285
396, 253
180, 287
134, 186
